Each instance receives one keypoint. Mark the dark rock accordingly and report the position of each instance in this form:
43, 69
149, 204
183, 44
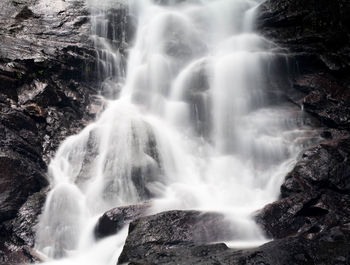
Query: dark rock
316, 36
48, 83
114, 220
25, 13
326, 99
24, 226
153, 234
11, 254
205, 254
330, 248
318, 28
326, 166
315, 194
18, 235
315, 203
22, 172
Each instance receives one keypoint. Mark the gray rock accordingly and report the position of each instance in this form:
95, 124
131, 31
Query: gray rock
332, 247
48, 83
112, 221
153, 234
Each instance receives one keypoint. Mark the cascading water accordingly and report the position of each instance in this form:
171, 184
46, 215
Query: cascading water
192, 128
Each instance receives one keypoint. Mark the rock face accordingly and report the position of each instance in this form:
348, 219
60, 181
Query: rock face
315, 194
331, 248
316, 35
48, 83
314, 207
153, 234
114, 220
180, 237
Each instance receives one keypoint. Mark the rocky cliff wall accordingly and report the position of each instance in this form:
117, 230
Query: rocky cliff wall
48, 91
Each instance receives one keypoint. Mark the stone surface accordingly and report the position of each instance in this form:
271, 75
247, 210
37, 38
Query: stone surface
315, 194
153, 234
316, 29
331, 247
114, 220
48, 87
315, 37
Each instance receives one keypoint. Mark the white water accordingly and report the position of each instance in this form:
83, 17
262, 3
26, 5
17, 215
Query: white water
191, 129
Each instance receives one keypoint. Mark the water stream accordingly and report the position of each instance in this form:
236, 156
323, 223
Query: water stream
189, 124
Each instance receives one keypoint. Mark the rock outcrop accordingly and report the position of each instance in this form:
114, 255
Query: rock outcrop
315, 194
316, 35
331, 248
314, 207
112, 221
154, 234
47, 88
182, 237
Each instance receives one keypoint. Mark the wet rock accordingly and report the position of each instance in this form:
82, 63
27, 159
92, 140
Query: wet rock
326, 166
205, 254
326, 98
330, 248
22, 171
18, 235
11, 254
319, 29
315, 194
114, 220
315, 36
153, 234
315, 201
24, 226
48, 83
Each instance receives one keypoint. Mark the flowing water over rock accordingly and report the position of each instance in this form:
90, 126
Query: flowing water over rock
191, 128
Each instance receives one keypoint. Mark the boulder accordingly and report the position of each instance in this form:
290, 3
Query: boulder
174, 229
315, 194
112, 221
330, 248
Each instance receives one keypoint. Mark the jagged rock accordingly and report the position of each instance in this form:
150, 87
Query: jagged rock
326, 98
11, 254
326, 166
48, 84
22, 171
315, 194
18, 234
332, 247
316, 37
318, 29
114, 220
153, 234
24, 226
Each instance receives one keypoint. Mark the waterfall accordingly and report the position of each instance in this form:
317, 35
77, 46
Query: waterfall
189, 124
